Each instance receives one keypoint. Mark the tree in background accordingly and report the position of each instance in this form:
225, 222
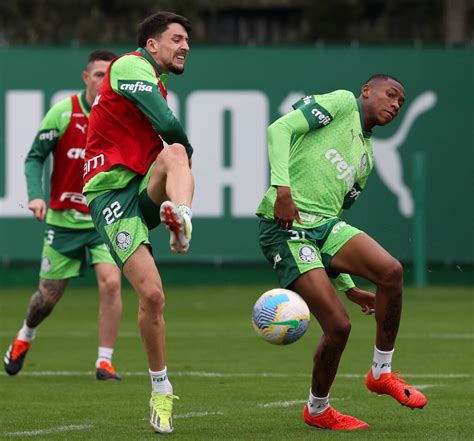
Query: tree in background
80, 22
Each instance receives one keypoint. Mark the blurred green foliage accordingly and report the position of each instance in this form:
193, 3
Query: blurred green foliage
82, 22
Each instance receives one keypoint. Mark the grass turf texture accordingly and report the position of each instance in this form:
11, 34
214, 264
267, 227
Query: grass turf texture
232, 384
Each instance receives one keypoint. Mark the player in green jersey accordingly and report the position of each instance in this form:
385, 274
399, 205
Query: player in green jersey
70, 232
321, 157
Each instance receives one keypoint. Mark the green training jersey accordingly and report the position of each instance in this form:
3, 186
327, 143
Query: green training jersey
53, 126
321, 151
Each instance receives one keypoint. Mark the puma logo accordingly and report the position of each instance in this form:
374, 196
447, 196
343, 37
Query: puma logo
388, 161
81, 128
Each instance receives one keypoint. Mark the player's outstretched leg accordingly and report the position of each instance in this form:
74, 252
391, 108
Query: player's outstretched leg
391, 384
15, 356
178, 222
332, 419
363, 256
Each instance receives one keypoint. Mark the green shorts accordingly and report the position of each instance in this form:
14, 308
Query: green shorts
296, 251
65, 249
124, 217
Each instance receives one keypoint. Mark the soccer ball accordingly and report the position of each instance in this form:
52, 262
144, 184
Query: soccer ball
280, 316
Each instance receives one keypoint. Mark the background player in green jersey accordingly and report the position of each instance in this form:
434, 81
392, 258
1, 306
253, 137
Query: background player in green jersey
321, 157
132, 180
69, 229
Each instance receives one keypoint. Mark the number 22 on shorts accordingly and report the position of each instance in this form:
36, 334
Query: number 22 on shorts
113, 212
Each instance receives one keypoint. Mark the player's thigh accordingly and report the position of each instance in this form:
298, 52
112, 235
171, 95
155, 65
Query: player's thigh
98, 250
119, 221
141, 271
322, 299
289, 252
169, 158
64, 253
148, 207
365, 257
100, 258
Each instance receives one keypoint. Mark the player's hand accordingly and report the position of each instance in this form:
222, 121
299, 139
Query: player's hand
38, 207
365, 299
285, 210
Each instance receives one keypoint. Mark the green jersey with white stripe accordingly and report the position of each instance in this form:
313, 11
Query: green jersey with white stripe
321, 151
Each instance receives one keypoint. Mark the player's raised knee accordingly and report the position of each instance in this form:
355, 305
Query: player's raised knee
176, 152
393, 272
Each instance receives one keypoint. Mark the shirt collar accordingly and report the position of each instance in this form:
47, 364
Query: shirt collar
152, 61
85, 105
367, 133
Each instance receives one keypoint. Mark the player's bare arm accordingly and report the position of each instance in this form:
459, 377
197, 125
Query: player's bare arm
38, 207
365, 299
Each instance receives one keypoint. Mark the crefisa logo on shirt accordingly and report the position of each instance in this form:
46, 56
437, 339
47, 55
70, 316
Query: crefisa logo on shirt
50, 135
345, 171
321, 117
135, 86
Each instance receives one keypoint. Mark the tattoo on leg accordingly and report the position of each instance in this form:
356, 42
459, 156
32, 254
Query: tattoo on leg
42, 303
36, 310
391, 320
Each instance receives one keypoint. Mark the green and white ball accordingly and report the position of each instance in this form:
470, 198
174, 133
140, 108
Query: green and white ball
280, 316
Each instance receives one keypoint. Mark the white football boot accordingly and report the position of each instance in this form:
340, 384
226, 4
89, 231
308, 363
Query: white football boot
178, 222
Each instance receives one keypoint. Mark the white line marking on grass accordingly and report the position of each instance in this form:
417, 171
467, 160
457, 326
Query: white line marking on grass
205, 374
426, 386
197, 414
69, 334
282, 403
291, 403
136, 334
444, 336
213, 334
403, 375
58, 429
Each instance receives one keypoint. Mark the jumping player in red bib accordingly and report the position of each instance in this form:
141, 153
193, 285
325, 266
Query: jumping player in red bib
133, 182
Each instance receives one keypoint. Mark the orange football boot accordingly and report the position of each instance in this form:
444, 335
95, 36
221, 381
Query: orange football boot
106, 372
391, 384
332, 419
13, 360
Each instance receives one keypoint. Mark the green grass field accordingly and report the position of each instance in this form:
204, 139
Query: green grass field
233, 385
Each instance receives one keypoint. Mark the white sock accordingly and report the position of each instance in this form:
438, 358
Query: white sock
186, 210
159, 382
316, 405
382, 363
26, 333
105, 354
